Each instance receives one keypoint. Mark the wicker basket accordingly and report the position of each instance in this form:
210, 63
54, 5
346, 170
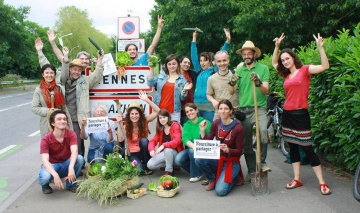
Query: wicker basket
129, 184
142, 192
87, 174
167, 193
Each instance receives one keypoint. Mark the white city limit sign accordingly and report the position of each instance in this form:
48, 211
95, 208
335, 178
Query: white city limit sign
125, 101
135, 79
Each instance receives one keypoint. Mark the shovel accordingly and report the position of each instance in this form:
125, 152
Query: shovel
51, 110
259, 179
122, 129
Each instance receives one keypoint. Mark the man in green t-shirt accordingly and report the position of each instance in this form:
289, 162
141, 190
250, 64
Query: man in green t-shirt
244, 76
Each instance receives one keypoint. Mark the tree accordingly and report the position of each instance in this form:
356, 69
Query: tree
17, 36
76, 21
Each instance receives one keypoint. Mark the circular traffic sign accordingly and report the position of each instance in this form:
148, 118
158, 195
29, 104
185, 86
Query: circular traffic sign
128, 27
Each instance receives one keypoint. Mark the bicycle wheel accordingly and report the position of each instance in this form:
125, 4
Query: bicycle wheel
356, 187
284, 146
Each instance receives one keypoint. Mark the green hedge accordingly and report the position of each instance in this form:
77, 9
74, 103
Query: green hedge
334, 100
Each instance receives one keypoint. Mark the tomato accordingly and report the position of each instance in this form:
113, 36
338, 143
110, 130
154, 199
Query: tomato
167, 184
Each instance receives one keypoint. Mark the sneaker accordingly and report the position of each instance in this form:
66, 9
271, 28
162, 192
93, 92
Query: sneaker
196, 179
265, 168
210, 186
47, 189
72, 189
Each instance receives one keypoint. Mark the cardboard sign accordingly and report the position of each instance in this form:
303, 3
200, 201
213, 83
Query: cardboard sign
135, 79
109, 64
96, 124
125, 101
208, 149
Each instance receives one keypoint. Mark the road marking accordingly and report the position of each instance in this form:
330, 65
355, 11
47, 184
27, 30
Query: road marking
34, 134
2, 110
8, 150
10, 96
3, 194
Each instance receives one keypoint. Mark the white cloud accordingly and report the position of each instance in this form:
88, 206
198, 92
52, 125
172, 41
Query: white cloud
104, 13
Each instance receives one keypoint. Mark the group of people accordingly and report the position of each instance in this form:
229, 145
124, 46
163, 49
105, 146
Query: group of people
188, 105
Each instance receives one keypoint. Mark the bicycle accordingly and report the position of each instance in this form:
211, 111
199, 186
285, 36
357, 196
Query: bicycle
356, 186
275, 112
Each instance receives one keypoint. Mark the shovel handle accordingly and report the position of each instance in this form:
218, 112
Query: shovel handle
258, 158
52, 99
122, 129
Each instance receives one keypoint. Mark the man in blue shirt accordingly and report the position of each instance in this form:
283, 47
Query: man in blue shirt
132, 49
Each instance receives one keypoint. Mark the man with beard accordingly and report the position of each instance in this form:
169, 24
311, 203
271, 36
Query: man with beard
132, 49
244, 76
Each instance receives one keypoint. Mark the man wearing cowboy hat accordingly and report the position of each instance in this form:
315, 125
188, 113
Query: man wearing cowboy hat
247, 73
77, 88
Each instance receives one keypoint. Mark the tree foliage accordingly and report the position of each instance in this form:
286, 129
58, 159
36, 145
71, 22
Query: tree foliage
17, 36
256, 20
76, 21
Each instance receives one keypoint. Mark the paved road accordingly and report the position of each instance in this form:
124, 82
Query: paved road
21, 169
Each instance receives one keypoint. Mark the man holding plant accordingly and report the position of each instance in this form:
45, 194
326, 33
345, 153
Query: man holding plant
132, 49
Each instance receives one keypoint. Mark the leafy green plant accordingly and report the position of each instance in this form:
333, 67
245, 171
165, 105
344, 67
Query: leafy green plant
115, 177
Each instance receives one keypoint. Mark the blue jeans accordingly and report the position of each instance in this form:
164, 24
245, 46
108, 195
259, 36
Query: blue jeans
186, 160
209, 167
108, 148
207, 115
143, 156
62, 169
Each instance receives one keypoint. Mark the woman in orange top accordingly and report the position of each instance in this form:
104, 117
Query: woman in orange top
136, 127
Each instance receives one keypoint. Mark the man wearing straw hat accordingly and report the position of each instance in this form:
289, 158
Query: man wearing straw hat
244, 76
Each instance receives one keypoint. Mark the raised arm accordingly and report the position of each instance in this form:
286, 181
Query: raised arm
65, 70
275, 56
143, 96
57, 51
97, 75
194, 53
156, 38
315, 69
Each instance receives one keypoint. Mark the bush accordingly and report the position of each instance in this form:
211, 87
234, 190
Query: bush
334, 100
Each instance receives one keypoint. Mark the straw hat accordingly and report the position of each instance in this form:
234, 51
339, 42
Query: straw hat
76, 62
134, 105
249, 45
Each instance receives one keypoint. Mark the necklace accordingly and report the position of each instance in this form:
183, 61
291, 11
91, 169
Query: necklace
224, 74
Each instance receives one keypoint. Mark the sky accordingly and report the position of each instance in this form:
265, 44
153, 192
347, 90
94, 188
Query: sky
104, 13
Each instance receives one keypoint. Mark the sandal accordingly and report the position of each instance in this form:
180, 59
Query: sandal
291, 186
324, 186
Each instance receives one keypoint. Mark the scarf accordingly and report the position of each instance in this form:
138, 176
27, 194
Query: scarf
228, 168
59, 101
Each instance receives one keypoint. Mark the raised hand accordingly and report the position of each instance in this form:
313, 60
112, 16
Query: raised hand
38, 44
65, 51
203, 125
234, 79
161, 21
100, 54
279, 40
227, 34
142, 95
51, 35
319, 40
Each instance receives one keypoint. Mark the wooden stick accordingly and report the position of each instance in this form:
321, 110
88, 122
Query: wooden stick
123, 132
258, 158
